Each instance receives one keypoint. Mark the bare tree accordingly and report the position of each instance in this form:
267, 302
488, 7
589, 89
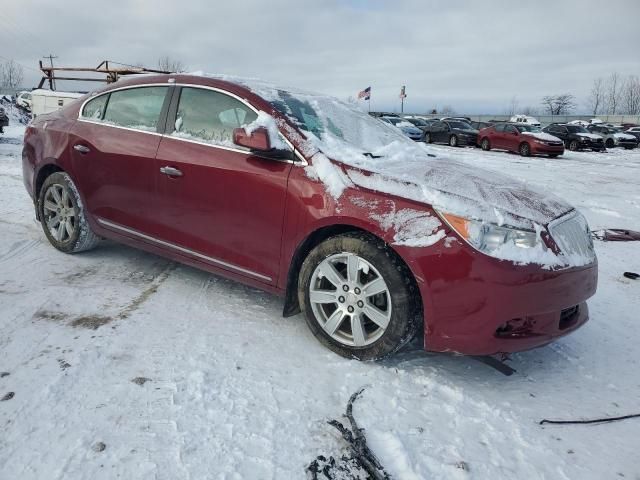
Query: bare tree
529, 110
614, 88
631, 95
560, 104
169, 64
512, 109
11, 74
596, 99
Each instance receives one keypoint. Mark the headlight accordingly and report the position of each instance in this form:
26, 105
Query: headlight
489, 237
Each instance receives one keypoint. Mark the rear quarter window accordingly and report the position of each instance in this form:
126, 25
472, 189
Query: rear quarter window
94, 108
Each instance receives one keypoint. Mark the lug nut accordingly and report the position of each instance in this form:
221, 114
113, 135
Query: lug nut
345, 288
360, 303
357, 291
341, 299
350, 309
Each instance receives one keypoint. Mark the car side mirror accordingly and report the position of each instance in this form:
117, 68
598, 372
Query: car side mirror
258, 139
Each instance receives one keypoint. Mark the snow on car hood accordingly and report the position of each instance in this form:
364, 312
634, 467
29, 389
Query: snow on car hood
624, 136
593, 136
542, 136
453, 186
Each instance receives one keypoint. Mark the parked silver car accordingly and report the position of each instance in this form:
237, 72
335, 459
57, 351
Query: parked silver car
614, 137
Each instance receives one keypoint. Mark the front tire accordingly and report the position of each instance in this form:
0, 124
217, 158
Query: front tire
525, 149
485, 144
573, 145
358, 297
427, 138
453, 141
62, 215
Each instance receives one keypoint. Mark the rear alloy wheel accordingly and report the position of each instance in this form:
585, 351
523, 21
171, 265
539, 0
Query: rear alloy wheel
525, 149
62, 215
485, 144
427, 138
453, 141
573, 145
358, 298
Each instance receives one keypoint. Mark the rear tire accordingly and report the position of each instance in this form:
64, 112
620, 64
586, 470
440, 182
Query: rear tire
573, 145
396, 311
485, 144
63, 217
525, 149
453, 141
610, 144
427, 138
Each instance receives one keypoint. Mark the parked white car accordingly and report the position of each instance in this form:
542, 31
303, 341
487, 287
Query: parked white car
582, 123
525, 119
23, 99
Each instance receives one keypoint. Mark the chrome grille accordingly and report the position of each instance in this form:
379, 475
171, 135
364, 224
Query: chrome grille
571, 233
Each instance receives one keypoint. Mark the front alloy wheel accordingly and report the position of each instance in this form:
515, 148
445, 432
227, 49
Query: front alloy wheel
350, 299
525, 149
358, 297
453, 141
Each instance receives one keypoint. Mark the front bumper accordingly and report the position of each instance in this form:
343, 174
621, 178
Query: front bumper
543, 149
477, 305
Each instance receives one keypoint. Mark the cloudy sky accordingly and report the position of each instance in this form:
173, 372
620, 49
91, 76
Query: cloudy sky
473, 55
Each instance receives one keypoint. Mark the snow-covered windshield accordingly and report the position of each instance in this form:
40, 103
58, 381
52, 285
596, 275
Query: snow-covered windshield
528, 128
330, 121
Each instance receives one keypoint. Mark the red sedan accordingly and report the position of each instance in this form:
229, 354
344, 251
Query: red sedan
520, 138
358, 227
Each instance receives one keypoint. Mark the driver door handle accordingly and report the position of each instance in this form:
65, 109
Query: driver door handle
172, 172
81, 148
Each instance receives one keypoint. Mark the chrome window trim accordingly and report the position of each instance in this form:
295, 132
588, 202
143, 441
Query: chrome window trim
178, 248
302, 161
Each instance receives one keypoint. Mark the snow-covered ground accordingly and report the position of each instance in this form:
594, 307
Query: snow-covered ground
227, 388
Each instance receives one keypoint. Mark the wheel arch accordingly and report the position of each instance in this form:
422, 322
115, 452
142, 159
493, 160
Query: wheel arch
291, 305
43, 172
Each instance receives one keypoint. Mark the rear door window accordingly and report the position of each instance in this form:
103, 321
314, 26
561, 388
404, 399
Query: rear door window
137, 108
499, 127
210, 116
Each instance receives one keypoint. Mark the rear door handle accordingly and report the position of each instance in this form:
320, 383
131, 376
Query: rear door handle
172, 172
81, 148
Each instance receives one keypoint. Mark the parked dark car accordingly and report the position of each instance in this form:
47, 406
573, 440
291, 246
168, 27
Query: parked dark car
614, 137
635, 131
521, 138
294, 193
456, 133
4, 119
576, 137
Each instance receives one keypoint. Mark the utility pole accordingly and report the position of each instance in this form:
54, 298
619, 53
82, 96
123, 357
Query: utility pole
52, 83
403, 95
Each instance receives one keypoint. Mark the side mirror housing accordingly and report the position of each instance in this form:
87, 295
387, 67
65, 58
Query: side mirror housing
256, 140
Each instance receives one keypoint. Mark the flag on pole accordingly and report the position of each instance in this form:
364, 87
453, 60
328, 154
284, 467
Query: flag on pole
365, 94
403, 95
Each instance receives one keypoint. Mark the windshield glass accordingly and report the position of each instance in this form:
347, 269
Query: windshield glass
417, 122
577, 129
331, 121
528, 128
460, 124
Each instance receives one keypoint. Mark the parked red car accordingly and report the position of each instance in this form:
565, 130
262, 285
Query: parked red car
520, 138
302, 195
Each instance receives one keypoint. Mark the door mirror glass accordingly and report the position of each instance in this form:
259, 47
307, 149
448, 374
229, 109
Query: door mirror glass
257, 140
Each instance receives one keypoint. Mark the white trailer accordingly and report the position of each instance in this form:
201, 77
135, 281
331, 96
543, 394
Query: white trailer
46, 101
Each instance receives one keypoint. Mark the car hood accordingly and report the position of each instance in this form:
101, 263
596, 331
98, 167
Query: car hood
462, 189
624, 136
466, 132
593, 136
